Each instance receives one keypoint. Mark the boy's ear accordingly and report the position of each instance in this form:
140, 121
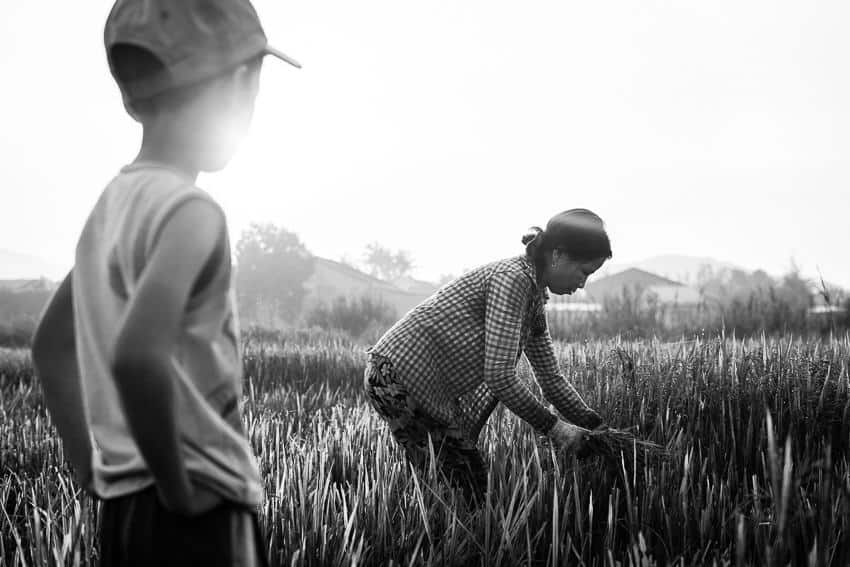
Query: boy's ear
247, 75
251, 68
230, 82
240, 75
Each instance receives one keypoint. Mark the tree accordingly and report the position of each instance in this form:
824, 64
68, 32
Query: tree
795, 290
385, 264
271, 267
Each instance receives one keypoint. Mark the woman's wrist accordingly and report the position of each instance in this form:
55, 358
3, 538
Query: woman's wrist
547, 428
593, 420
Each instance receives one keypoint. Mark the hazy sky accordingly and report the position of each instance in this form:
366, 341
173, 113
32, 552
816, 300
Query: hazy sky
446, 128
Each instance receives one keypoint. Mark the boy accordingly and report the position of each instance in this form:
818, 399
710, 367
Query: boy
138, 349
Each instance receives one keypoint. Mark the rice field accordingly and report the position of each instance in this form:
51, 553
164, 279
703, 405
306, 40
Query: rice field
758, 433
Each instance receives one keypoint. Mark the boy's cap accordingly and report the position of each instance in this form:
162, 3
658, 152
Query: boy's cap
194, 39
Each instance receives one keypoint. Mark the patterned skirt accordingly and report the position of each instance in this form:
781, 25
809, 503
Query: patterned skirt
454, 444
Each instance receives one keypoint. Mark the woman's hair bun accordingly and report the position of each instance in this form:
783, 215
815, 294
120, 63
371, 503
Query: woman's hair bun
531, 235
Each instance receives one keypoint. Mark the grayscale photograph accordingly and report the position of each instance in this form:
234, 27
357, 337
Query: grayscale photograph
425, 284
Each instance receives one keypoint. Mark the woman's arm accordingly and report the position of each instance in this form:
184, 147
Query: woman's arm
506, 300
562, 394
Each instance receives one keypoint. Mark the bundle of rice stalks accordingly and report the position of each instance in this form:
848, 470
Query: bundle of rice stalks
616, 446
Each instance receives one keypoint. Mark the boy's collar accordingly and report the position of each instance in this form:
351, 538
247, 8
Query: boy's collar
149, 163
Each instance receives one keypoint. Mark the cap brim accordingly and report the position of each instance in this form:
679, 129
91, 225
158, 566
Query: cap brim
282, 56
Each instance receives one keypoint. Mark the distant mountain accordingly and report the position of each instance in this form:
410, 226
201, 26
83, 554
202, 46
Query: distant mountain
22, 266
680, 268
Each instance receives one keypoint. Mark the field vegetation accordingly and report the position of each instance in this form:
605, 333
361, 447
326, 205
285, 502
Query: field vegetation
758, 432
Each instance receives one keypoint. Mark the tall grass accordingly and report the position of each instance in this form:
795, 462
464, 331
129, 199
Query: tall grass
759, 432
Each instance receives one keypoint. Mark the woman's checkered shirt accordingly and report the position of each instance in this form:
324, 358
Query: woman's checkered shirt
472, 332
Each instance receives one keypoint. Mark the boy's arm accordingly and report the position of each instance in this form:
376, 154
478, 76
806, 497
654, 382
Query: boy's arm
142, 367
54, 357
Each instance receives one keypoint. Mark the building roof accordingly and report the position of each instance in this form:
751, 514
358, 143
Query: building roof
324, 265
413, 285
641, 282
630, 278
332, 279
678, 294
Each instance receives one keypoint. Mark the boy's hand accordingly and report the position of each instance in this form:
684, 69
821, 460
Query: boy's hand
194, 502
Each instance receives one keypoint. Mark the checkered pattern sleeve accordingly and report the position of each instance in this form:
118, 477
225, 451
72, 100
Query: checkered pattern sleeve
557, 390
506, 299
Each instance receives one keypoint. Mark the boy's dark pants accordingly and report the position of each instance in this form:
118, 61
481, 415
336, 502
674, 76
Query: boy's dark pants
138, 530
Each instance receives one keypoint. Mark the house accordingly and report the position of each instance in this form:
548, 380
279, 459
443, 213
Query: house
332, 279
674, 301
827, 301
415, 286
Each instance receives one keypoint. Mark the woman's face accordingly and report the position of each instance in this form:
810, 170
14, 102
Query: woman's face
565, 275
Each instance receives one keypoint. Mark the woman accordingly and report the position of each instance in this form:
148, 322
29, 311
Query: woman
441, 370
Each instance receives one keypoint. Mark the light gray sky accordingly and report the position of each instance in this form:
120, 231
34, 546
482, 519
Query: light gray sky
446, 128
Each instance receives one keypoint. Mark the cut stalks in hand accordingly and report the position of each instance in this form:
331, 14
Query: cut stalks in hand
616, 446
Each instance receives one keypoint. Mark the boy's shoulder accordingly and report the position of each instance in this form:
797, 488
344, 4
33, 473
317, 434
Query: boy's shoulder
151, 186
138, 203
153, 178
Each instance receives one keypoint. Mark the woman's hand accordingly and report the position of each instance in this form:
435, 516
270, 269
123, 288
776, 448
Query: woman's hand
593, 421
568, 437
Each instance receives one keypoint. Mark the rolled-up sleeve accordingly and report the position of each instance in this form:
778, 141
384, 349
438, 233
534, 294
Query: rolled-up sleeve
557, 390
506, 299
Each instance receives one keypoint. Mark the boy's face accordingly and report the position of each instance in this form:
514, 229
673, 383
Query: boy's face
221, 117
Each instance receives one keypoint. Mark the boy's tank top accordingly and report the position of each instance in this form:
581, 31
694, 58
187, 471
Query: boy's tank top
114, 247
